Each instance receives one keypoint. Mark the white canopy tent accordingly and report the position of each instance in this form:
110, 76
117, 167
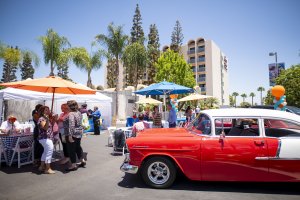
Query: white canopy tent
100, 100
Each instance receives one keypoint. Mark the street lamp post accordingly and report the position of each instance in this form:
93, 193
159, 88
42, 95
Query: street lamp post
276, 67
274, 54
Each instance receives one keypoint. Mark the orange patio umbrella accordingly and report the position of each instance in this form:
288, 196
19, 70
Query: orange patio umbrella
50, 84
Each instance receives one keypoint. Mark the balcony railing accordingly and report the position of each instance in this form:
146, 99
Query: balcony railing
201, 69
201, 49
203, 89
201, 79
191, 61
191, 51
201, 59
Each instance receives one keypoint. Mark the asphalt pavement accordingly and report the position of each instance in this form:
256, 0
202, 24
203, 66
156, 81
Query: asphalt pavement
102, 179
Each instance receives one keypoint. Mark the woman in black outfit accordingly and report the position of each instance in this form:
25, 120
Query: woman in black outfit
73, 133
38, 148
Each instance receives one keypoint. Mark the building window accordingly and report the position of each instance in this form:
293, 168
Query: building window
192, 60
201, 68
202, 77
193, 69
201, 49
191, 50
201, 58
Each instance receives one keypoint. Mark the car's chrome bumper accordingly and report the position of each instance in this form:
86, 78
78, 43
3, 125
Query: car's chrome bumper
131, 169
126, 167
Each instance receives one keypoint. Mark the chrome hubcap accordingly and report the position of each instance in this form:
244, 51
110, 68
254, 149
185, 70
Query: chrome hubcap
158, 173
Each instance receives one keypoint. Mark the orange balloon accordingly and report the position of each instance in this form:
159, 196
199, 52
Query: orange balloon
173, 96
277, 91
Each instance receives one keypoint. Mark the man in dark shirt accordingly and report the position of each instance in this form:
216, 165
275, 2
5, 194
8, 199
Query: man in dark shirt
96, 119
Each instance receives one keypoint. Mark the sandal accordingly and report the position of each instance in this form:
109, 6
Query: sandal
82, 164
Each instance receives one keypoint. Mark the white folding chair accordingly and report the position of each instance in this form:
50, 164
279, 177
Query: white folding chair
180, 124
110, 137
24, 144
2, 151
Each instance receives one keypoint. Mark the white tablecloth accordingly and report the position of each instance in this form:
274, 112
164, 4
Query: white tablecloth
25, 126
164, 123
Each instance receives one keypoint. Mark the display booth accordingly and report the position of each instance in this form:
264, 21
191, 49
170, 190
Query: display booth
28, 99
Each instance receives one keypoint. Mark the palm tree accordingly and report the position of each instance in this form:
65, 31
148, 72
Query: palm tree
115, 42
210, 102
53, 45
252, 95
235, 94
261, 89
244, 96
83, 60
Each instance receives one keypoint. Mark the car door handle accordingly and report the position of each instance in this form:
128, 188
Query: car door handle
259, 142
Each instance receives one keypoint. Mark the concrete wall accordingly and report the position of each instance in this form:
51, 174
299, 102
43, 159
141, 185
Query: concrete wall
126, 102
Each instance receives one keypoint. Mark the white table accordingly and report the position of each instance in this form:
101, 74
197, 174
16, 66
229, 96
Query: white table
165, 124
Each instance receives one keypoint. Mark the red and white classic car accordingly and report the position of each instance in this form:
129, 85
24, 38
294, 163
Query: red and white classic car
220, 145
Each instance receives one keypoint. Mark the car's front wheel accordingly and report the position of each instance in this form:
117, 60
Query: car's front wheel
159, 172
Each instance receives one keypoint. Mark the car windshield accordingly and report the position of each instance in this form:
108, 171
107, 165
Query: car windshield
200, 125
294, 109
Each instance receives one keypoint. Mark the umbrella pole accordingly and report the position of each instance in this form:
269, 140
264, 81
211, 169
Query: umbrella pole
52, 99
165, 106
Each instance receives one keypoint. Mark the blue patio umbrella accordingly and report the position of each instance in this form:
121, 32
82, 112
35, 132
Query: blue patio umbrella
164, 88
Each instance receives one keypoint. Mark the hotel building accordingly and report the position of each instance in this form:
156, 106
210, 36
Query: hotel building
210, 67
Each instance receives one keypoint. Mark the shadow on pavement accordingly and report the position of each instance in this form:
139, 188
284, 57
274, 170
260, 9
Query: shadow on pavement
55, 165
182, 183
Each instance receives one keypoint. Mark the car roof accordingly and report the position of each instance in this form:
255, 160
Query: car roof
247, 112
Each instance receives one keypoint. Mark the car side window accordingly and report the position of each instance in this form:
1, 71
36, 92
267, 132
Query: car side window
237, 126
281, 128
203, 124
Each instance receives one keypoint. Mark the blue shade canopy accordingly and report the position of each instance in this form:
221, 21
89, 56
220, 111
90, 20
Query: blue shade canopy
164, 88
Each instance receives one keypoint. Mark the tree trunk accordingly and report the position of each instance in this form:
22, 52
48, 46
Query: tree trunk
235, 101
89, 81
51, 68
117, 87
261, 101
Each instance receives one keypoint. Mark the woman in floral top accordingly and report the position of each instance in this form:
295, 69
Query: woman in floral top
73, 132
45, 137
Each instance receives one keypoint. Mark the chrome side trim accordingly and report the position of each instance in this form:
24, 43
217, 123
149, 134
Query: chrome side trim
275, 158
136, 146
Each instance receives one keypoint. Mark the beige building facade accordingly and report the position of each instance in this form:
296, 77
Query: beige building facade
210, 67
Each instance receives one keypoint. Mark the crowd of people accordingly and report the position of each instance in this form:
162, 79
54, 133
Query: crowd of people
49, 127
156, 117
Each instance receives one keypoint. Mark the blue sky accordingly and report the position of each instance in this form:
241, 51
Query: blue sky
246, 31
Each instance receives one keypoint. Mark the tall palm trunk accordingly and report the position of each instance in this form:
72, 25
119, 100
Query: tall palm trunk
51, 68
261, 101
117, 87
252, 101
89, 81
235, 101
